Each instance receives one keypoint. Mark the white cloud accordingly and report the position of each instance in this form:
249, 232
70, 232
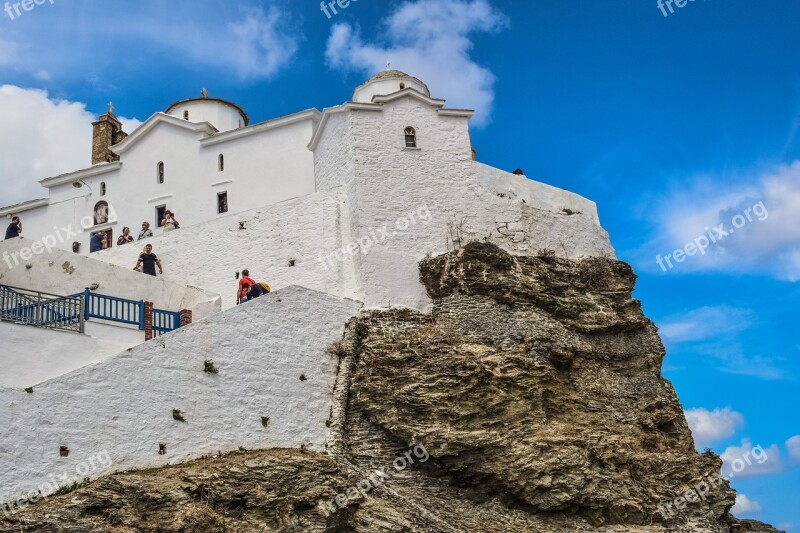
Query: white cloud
249, 39
262, 45
745, 505
431, 40
42, 137
42, 75
793, 446
749, 461
768, 241
704, 323
709, 426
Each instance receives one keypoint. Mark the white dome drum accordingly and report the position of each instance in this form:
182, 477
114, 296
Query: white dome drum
388, 82
221, 114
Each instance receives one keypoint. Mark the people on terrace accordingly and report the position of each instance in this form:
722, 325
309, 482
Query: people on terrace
169, 223
14, 229
146, 231
126, 236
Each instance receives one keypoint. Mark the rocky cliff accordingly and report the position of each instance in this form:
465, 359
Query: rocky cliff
529, 399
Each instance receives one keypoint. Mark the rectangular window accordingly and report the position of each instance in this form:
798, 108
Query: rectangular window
222, 202
160, 209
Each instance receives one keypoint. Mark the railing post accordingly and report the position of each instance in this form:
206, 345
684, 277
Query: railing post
37, 315
148, 321
141, 315
82, 319
185, 317
87, 295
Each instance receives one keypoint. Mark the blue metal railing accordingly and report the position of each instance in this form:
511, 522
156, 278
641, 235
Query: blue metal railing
70, 312
113, 309
40, 309
165, 321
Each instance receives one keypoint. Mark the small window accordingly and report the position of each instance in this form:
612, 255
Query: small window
160, 210
402, 85
103, 188
100, 213
160, 172
185, 115
221, 162
222, 202
411, 137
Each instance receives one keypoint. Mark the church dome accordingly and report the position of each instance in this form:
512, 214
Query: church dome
221, 114
388, 82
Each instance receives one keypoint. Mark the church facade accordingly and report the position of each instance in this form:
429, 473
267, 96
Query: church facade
323, 186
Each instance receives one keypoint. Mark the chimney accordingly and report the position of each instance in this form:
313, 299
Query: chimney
106, 132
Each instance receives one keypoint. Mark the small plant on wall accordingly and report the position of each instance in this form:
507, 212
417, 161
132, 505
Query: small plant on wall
210, 368
177, 415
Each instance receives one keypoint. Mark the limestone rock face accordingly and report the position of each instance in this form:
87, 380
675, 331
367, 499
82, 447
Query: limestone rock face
529, 400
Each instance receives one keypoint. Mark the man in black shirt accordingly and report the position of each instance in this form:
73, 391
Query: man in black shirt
148, 261
14, 229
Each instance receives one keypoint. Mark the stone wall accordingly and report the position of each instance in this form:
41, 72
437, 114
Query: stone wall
268, 385
333, 155
440, 179
282, 244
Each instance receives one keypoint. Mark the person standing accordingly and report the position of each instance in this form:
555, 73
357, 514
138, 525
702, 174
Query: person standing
148, 261
244, 287
126, 236
169, 223
14, 229
95, 242
146, 231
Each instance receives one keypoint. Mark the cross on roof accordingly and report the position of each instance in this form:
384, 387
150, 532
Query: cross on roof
111, 108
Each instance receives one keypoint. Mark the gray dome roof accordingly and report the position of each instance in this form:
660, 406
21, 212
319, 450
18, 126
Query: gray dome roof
395, 74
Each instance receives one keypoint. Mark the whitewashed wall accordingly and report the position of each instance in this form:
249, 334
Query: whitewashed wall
260, 169
391, 182
333, 155
209, 255
31, 355
124, 405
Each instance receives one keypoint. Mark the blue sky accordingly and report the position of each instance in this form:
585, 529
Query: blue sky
672, 124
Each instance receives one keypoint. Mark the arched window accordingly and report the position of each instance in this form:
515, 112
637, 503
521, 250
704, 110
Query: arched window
186, 115
102, 188
160, 172
221, 162
411, 137
100, 213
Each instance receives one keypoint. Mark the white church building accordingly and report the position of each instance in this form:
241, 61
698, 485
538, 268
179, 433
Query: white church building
333, 208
